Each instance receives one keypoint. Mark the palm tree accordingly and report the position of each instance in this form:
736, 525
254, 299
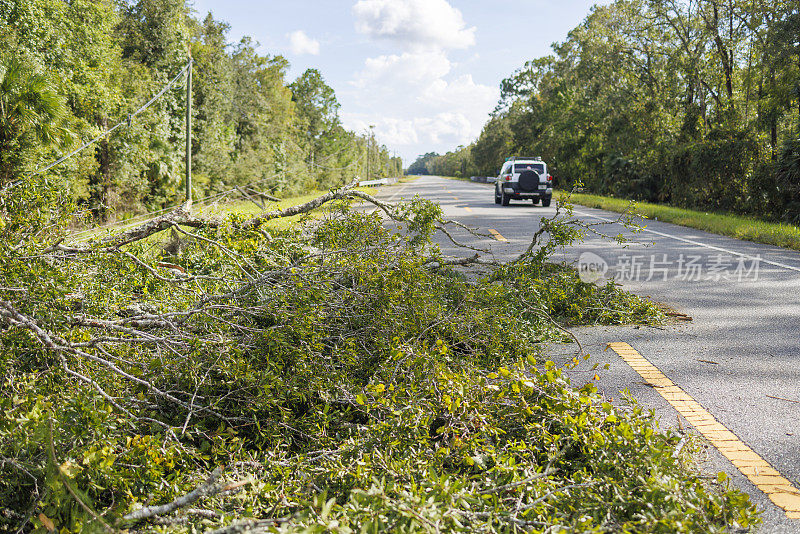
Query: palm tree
30, 113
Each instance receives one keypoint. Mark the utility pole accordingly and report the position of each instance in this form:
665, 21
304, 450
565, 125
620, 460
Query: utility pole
369, 141
189, 133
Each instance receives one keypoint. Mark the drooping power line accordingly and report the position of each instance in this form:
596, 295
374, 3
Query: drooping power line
118, 125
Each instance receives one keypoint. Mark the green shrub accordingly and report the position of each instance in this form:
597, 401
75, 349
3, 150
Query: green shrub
332, 367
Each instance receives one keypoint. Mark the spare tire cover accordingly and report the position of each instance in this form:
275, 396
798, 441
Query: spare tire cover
529, 180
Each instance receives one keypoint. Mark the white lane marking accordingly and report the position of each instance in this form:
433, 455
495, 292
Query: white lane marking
400, 189
700, 244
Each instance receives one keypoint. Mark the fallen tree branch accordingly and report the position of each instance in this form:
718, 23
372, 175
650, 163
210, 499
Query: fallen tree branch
182, 217
543, 313
262, 194
209, 487
388, 210
475, 259
159, 224
337, 194
10, 315
251, 199
518, 483
457, 243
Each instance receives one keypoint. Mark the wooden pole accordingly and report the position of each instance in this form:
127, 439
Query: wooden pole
189, 134
369, 148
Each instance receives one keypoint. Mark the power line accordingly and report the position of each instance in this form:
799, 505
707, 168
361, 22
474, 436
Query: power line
150, 215
357, 160
118, 125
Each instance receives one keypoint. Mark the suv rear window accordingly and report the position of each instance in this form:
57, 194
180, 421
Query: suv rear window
520, 167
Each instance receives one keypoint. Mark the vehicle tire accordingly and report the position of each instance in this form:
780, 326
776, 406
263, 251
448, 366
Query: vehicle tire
505, 199
496, 196
535, 201
546, 202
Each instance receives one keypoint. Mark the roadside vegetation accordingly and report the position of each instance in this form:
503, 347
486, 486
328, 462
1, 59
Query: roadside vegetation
301, 367
740, 227
334, 375
748, 228
688, 104
248, 208
70, 71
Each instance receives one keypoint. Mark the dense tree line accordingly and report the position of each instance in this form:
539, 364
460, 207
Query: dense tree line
688, 102
70, 70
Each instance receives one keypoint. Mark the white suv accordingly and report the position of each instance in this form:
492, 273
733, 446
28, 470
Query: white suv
524, 178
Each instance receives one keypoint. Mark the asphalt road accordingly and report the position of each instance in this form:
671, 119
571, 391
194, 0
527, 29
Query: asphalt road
739, 355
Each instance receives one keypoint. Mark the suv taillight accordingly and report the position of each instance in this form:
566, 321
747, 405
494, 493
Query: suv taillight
507, 177
549, 178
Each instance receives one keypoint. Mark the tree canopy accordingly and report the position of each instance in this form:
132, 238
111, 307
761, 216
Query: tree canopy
89, 64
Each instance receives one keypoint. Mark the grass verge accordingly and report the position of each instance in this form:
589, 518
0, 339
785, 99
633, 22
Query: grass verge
740, 227
248, 208
245, 208
746, 228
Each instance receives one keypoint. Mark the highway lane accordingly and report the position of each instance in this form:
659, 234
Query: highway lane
738, 357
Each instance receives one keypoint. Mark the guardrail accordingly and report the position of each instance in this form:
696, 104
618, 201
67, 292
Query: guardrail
381, 181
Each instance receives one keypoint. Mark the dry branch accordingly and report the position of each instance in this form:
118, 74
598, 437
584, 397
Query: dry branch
475, 259
11, 316
262, 194
251, 199
337, 194
208, 488
178, 217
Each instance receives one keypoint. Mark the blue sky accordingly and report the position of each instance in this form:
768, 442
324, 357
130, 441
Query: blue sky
424, 72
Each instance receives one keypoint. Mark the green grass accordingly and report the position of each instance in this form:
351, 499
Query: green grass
740, 227
246, 207
221, 209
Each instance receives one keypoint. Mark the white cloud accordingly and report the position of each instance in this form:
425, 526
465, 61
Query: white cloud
391, 131
420, 100
462, 92
439, 132
406, 68
446, 128
300, 43
422, 108
414, 24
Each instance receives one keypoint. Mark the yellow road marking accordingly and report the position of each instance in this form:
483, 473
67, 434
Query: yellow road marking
777, 488
455, 197
468, 209
497, 235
